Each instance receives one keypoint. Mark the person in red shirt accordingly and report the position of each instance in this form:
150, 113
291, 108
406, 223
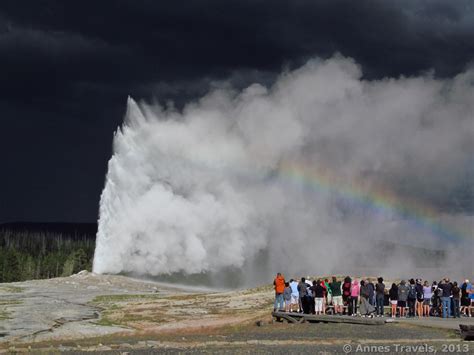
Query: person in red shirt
279, 284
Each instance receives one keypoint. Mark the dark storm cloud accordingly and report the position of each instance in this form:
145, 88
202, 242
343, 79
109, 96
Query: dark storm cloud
67, 67
150, 40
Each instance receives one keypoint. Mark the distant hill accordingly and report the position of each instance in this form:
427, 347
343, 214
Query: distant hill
88, 230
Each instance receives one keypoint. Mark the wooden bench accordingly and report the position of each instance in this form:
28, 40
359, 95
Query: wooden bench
467, 331
292, 317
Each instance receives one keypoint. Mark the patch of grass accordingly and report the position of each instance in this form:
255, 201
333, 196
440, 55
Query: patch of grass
113, 306
187, 297
105, 321
214, 310
140, 318
110, 319
11, 289
10, 302
124, 298
4, 315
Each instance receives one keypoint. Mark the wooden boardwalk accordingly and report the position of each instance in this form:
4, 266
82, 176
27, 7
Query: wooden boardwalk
301, 318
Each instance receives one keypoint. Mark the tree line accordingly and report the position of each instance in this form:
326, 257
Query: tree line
33, 254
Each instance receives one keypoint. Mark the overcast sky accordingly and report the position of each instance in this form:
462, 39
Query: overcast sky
67, 67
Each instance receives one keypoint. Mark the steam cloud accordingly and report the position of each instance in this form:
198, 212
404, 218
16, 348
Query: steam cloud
205, 191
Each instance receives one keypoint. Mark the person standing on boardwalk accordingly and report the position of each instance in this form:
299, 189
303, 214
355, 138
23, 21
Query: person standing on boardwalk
319, 293
310, 296
411, 298
328, 295
279, 285
470, 291
287, 296
346, 294
402, 297
355, 291
465, 301
295, 297
371, 288
366, 309
336, 291
446, 288
427, 294
302, 291
456, 292
419, 297
393, 297
380, 296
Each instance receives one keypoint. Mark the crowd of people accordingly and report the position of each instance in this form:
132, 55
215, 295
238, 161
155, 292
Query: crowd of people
368, 298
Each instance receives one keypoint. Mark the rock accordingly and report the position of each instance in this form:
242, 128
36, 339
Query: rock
63, 348
103, 348
153, 343
125, 346
99, 347
142, 344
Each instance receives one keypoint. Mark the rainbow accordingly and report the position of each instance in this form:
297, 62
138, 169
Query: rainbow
322, 179
381, 200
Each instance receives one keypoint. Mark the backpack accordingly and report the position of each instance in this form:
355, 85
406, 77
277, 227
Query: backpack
411, 292
302, 289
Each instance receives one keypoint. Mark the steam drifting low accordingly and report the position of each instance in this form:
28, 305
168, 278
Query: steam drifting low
306, 176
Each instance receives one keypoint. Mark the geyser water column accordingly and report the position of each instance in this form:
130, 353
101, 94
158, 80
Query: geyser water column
302, 177
166, 208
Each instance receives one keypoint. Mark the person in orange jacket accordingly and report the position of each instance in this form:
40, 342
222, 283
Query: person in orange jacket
279, 284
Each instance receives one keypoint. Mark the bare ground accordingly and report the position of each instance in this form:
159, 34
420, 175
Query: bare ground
105, 313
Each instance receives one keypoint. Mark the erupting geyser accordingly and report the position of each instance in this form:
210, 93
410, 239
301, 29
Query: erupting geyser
306, 177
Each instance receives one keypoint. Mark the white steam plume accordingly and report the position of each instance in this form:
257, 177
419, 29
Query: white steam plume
205, 190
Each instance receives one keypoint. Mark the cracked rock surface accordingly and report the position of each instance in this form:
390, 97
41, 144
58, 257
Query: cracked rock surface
58, 308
